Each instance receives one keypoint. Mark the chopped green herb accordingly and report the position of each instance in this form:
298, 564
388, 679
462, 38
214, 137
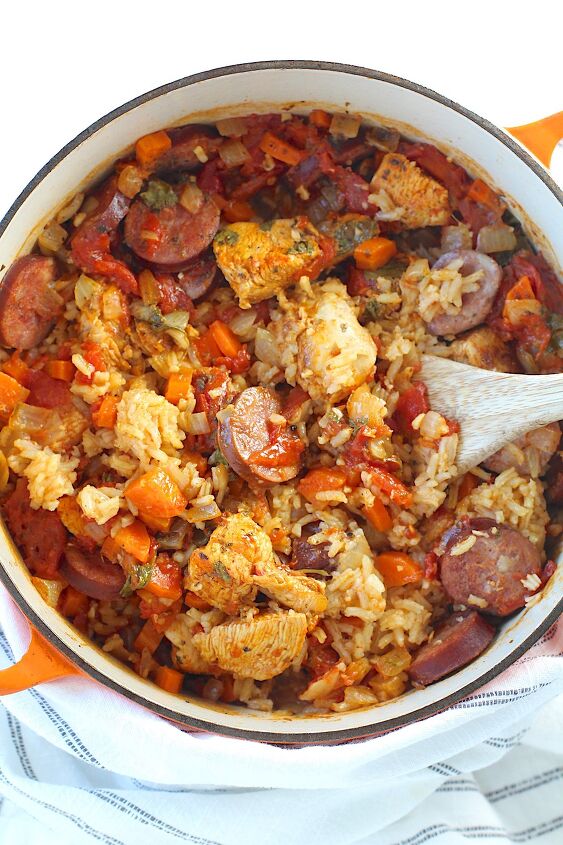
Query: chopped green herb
266, 225
358, 423
138, 578
221, 571
159, 195
301, 248
217, 458
555, 323
394, 269
156, 319
372, 309
227, 237
350, 233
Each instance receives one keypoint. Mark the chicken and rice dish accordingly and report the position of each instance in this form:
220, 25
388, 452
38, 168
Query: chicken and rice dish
216, 458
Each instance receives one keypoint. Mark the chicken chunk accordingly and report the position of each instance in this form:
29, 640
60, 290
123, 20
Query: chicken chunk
335, 354
529, 454
258, 648
259, 260
483, 348
301, 593
181, 634
424, 202
221, 572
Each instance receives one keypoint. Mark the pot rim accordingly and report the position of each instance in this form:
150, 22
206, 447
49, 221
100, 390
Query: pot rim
338, 735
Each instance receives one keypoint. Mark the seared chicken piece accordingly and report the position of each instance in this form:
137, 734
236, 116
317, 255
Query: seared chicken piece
260, 259
181, 634
303, 594
221, 572
483, 348
335, 354
423, 200
258, 648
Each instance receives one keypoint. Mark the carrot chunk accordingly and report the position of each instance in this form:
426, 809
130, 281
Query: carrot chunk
228, 343
374, 253
279, 149
378, 515
149, 637
135, 540
11, 392
319, 480
106, 414
168, 679
397, 569
150, 147
178, 386
156, 494
63, 370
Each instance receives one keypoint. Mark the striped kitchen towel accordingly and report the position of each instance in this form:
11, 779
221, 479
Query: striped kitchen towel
81, 764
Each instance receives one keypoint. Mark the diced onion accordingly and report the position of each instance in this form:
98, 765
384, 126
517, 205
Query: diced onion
456, 237
85, 289
198, 423
112, 304
496, 238
242, 322
344, 125
191, 198
202, 513
265, 348
173, 539
49, 590
516, 310
231, 127
29, 420
70, 209
52, 238
176, 320
233, 153
148, 286
130, 181
383, 138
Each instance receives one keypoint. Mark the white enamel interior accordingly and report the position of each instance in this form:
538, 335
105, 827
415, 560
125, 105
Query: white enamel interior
237, 93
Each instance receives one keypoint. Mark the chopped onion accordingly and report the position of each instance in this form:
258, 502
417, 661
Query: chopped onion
383, 138
265, 347
231, 127
496, 238
112, 304
198, 423
202, 513
130, 181
52, 238
176, 320
191, 198
242, 322
173, 539
49, 590
233, 153
148, 286
344, 125
30, 420
456, 237
96, 532
85, 289
516, 310
70, 209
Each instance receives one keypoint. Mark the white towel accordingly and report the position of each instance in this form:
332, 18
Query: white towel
93, 767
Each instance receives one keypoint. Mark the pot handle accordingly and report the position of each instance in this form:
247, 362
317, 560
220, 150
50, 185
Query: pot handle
541, 137
40, 663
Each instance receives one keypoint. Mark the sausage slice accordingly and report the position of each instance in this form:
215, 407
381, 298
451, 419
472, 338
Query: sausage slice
476, 305
29, 305
92, 574
458, 641
185, 141
172, 237
243, 433
199, 276
492, 569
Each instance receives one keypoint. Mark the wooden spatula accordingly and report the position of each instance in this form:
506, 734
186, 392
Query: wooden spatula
491, 408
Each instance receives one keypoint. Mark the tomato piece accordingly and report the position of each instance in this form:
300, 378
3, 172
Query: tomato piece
47, 392
40, 534
412, 402
166, 578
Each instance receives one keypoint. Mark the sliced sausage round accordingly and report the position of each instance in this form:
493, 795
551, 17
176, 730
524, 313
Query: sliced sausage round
458, 641
29, 304
92, 574
530, 454
476, 305
199, 276
486, 562
185, 140
175, 236
243, 435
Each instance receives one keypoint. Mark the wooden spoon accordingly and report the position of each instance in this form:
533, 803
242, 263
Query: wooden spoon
491, 408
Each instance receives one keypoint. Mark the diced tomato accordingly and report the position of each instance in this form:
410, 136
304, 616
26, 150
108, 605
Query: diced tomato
208, 178
47, 392
92, 353
91, 252
355, 191
40, 534
284, 450
395, 489
320, 657
172, 297
166, 578
431, 566
412, 402
328, 249
358, 283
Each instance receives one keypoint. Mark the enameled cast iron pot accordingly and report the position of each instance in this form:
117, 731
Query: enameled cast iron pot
56, 649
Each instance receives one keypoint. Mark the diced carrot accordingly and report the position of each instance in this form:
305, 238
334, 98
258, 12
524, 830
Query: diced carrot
178, 386
166, 579
168, 679
150, 147
156, 494
134, 538
156, 523
200, 461
374, 253
395, 489
320, 118
63, 370
106, 415
378, 515
149, 637
238, 211
320, 479
480, 192
110, 549
468, 483
225, 339
73, 602
207, 349
397, 569
16, 368
279, 149
193, 600
11, 392
521, 290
